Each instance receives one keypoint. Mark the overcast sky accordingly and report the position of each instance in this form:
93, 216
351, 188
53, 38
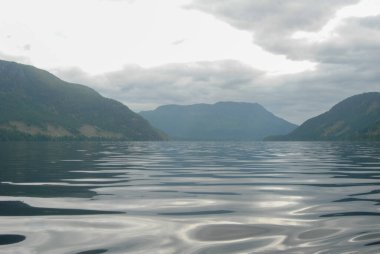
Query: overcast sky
295, 57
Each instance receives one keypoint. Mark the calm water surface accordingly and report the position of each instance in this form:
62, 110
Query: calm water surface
178, 197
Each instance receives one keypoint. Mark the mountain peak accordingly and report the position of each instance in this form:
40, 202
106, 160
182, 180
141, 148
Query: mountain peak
219, 121
355, 118
41, 106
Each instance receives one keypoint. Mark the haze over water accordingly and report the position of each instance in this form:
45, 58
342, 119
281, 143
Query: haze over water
189, 197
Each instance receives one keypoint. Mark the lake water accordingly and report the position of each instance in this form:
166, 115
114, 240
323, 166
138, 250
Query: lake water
189, 197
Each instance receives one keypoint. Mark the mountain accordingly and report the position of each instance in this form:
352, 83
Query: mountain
35, 104
220, 121
355, 118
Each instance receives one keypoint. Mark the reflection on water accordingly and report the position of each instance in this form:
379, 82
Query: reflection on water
181, 197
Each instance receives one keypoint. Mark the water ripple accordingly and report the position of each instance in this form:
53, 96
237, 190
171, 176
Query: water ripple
197, 197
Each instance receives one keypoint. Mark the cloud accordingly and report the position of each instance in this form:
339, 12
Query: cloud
273, 15
146, 32
273, 22
142, 88
294, 97
15, 58
344, 42
348, 65
344, 45
356, 43
27, 47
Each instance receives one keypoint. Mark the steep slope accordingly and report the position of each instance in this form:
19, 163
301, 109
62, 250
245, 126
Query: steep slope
35, 104
220, 121
355, 118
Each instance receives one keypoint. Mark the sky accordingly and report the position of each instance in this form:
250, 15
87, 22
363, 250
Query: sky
297, 58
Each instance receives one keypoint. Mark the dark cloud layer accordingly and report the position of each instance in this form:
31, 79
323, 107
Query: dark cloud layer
273, 22
273, 15
172, 83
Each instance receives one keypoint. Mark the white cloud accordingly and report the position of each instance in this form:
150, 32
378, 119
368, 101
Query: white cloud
100, 36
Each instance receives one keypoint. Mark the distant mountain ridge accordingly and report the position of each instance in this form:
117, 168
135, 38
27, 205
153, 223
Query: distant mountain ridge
355, 118
219, 121
35, 104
